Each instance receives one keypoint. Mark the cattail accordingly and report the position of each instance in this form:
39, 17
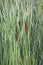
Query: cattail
26, 28
19, 23
16, 36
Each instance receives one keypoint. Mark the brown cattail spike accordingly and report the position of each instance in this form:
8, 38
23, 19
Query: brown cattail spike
16, 36
26, 28
19, 23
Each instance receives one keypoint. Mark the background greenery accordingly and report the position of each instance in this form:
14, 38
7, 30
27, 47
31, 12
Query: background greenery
28, 50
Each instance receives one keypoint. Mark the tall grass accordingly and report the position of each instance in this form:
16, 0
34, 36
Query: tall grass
28, 48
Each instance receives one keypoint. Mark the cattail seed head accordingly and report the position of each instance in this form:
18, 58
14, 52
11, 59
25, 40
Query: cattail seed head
16, 36
26, 28
19, 23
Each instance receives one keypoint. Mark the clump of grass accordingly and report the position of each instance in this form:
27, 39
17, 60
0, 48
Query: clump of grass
21, 30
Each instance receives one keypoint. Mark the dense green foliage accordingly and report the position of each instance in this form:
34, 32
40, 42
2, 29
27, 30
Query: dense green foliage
27, 49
